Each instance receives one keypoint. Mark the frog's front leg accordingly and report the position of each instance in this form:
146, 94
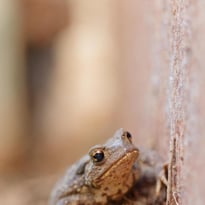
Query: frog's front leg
150, 178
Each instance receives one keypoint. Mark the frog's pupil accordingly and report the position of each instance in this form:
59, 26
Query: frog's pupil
98, 156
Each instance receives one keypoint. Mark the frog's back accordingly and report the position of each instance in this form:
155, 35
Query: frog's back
72, 180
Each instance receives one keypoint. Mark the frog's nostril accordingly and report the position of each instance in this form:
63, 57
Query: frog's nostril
128, 136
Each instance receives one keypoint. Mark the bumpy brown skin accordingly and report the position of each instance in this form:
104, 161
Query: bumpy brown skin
106, 179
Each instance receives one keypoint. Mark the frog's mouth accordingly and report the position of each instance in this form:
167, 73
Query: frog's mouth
119, 170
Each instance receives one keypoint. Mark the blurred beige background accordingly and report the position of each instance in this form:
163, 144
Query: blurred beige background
82, 71
72, 72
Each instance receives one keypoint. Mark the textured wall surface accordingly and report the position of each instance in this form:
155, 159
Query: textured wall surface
179, 62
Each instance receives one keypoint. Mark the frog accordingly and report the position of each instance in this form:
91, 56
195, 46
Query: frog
105, 175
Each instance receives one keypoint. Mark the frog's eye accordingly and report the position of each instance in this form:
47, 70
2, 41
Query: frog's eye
128, 136
97, 155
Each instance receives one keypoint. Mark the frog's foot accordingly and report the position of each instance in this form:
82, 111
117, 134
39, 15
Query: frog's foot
162, 179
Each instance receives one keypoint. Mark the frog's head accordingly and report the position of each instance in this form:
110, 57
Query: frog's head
110, 165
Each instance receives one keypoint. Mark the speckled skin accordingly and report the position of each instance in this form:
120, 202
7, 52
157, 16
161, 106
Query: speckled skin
91, 183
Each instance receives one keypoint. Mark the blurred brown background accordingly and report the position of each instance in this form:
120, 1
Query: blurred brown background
72, 72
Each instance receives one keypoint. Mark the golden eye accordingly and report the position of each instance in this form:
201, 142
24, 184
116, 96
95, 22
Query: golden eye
98, 156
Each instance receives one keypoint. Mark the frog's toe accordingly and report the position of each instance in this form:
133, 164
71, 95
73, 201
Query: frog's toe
162, 179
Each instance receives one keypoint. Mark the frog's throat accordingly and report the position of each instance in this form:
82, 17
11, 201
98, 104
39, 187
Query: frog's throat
132, 154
